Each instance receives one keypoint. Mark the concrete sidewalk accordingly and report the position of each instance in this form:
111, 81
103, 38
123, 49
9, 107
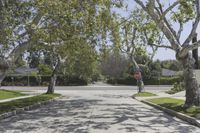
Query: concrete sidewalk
180, 95
104, 111
12, 99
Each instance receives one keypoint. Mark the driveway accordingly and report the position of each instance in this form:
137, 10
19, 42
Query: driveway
95, 111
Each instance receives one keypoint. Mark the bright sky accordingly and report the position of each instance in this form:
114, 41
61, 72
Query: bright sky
162, 53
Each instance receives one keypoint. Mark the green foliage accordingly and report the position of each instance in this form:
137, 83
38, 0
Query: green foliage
34, 58
131, 81
169, 80
144, 94
66, 80
44, 69
114, 65
71, 31
20, 61
14, 14
185, 12
177, 88
171, 65
82, 62
176, 105
154, 69
59, 28
20, 103
6, 94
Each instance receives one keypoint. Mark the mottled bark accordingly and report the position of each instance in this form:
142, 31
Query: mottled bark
191, 85
52, 83
3, 69
195, 53
140, 82
159, 15
2, 75
140, 85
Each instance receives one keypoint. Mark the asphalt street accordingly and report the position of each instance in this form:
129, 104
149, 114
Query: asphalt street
106, 109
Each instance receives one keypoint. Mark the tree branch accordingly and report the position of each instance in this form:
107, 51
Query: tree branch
161, 46
170, 8
133, 59
24, 46
139, 2
134, 36
161, 24
188, 48
180, 30
195, 24
162, 16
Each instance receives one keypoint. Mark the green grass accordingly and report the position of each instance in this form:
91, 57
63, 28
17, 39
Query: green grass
6, 94
176, 105
22, 91
12, 105
144, 94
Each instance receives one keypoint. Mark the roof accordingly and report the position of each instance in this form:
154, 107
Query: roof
24, 70
167, 72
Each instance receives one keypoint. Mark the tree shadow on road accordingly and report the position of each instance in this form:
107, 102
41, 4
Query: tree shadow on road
84, 116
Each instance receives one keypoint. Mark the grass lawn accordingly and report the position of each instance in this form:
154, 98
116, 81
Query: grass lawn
144, 94
5, 94
12, 105
176, 105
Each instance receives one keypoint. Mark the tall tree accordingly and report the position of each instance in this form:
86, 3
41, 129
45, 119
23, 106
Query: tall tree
180, 12
68, 25
52, 23
14, 14
132, 36
114, 65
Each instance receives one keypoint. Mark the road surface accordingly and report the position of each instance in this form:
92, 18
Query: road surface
107, 110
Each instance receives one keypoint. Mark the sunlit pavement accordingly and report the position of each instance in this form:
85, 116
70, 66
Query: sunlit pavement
98, 111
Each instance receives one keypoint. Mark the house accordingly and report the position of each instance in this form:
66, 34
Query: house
168, 73
24, 70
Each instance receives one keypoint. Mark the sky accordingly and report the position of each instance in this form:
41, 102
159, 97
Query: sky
163, 53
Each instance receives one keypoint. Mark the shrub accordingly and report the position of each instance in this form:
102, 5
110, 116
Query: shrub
44, 69
178, 86
42, 80
130, 81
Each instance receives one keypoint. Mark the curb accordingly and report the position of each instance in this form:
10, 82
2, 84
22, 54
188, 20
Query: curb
27, 108
181, 116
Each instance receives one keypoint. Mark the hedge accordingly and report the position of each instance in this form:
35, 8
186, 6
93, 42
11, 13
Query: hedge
131, 81
42, 81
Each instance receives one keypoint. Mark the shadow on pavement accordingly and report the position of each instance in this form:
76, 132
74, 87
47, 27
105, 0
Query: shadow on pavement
84, 116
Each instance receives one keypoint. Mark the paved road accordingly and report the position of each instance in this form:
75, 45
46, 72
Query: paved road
99, 111
92, 87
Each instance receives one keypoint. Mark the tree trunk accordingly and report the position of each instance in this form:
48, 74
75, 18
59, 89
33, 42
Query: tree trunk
52, 83
2, 75
191, 85
3, 69
140, 82
195, 53
140, 85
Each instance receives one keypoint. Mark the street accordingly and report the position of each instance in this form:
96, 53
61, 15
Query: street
105, 110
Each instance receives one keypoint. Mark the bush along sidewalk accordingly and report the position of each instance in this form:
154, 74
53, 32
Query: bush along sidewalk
178, 87
174, 107
17, 106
